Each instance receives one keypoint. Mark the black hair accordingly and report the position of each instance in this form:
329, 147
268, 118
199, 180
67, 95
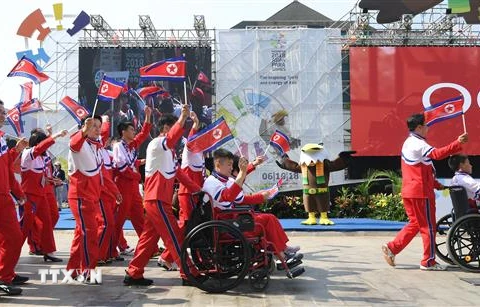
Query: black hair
124, 126
414, 121
11, 143
36, 138
235, 167
223, 153
95, 117
455, 161
35, 130
1, 102
166, 119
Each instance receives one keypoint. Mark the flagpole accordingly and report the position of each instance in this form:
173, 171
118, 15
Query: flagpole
464, 125
95, 107
71, 129
266, 150
238, 147
185, 84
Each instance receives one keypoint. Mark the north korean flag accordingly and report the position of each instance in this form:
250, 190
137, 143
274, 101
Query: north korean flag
26, 94
173, 69
109, 89
444, 110
73, 108
15, 119
32, 106
202, 77
210, 137
280, 141
150, 91
28, 69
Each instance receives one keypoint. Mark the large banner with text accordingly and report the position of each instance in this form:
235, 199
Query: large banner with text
282, 79
388, 84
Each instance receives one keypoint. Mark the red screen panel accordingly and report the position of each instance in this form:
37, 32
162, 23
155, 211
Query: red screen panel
387, 85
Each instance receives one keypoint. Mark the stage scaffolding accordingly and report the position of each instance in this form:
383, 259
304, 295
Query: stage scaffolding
434, 27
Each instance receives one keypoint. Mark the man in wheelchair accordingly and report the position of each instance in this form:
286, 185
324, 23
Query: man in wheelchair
460, 164
226, 193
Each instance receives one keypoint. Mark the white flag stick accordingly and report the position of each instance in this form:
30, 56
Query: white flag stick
238, 147
95, 107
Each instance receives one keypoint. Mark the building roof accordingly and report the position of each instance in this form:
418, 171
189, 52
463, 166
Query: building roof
297, 11
293, 14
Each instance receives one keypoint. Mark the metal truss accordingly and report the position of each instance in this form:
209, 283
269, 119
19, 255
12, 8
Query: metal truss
143, 38
434, 27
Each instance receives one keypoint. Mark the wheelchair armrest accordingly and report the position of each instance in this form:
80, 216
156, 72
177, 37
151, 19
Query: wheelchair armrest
237, 209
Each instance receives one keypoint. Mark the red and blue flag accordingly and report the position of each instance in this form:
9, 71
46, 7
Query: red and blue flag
172, 69
26, 94
202, 77
280, 141
150, 91
32, 106
211, 137
74, 108
15, 119
109, 89
28, 69
444, 110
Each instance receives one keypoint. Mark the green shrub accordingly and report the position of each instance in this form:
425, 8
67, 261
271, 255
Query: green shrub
387, 207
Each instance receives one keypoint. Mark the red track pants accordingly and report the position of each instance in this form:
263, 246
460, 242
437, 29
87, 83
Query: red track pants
11, 239
106, 227
84, 250
160, 222
421, 215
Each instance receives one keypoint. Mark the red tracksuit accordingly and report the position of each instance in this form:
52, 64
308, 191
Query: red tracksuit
11, 237
160, 174
108, 205
36, 214
127, 180
50, 191
226, 193
418, 183
84, 168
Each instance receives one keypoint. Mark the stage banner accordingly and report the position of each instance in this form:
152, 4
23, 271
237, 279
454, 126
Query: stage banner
388, 84
282, 79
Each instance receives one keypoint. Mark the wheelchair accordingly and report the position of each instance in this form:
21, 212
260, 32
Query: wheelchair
458, 233
221, 248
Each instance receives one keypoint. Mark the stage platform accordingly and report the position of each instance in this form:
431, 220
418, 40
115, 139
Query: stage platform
67, 222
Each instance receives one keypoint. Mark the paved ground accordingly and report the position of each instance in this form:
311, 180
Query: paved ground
342, 269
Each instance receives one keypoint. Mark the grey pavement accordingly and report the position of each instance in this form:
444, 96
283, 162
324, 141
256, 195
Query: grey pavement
341, 269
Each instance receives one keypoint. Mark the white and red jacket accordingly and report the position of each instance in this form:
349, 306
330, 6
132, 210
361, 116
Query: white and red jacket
418, 173
125, 156
161, 167
109, 187
226, 193
193, 166
34, 177
471, 186
84, 165
8, 183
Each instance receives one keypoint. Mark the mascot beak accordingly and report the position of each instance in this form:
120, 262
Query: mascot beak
312, 147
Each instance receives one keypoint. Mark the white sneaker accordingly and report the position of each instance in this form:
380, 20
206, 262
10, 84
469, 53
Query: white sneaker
435, 267
388, 255
129, 251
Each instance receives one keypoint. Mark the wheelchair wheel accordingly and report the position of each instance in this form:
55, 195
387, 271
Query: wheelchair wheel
215, 256
463, 242
442, 228
259, 279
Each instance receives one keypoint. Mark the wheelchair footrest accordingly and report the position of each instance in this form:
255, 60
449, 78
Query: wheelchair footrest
296, 272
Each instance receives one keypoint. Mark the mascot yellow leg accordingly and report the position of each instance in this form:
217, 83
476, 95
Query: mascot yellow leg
311, 219
324, 220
